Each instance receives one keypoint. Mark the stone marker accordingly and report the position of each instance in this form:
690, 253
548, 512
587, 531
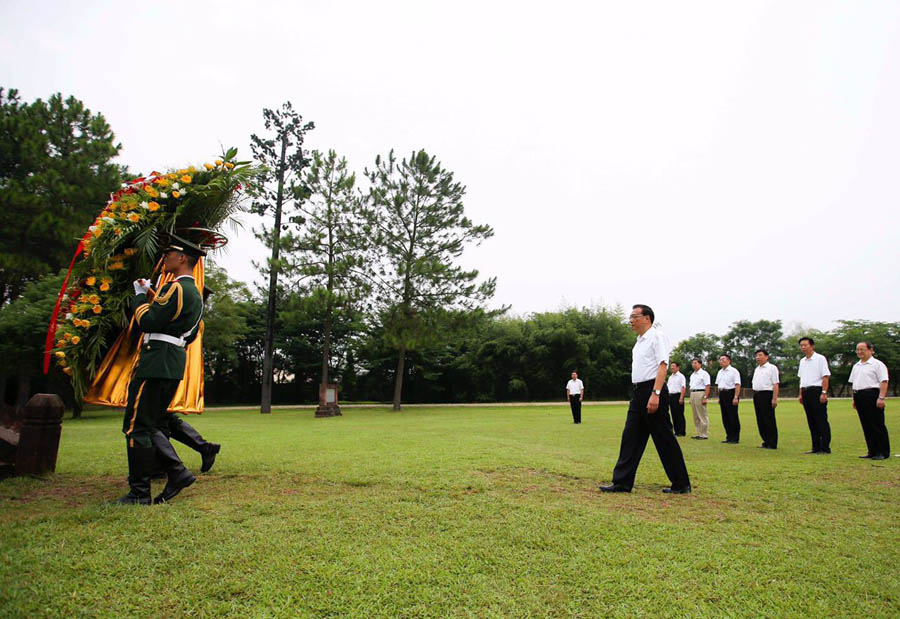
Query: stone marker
39, 438
328, 401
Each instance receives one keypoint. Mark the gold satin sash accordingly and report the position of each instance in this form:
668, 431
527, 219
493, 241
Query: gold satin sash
110, 386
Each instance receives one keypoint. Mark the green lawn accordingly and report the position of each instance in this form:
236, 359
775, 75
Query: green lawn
458, 512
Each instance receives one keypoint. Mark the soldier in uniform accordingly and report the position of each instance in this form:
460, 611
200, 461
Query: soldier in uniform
170, 321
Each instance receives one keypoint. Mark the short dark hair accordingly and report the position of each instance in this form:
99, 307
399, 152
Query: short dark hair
697, 359
868, 344
726, 355
763, 351
811, 341
675, 363
645, 311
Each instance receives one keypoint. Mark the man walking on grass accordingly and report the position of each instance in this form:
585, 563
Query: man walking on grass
647, 411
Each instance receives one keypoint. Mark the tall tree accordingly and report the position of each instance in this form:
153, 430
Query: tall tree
55, 176
416, 219
704, 346
282, 154
745, 337
326, 253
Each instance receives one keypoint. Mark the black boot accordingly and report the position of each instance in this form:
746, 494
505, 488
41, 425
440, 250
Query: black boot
183, 432
141, 461
179, 477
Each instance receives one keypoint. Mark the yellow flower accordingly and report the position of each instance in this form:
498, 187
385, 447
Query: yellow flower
116, 266
229, 165
151, 190
61, 343
186, 179
170, 176
94, 299
104, 286
90, 281
60, 354
218, 162
161, 181
129, 251
133, 217
153, 206
118, 231
209, 166
97, 309
176, 194
68, 336
75, 339
62, 363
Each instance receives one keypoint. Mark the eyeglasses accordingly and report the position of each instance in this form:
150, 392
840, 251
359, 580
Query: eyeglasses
635, 316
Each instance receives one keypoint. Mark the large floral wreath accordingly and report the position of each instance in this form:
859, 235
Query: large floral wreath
123, 244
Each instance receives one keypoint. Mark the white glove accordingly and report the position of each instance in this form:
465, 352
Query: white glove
141, 286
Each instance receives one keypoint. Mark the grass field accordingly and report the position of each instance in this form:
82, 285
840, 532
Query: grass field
477, 512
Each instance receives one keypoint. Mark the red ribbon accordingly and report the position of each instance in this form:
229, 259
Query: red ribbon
51, 331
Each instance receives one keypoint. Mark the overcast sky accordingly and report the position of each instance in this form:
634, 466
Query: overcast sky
716, 160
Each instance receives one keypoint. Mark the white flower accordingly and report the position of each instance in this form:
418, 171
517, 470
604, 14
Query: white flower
70, 316
176, 186
183, 190
162, 195
145, 204
109, 220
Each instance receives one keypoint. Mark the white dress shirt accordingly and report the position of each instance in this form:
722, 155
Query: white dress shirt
868, 375
813, 370
676, 383
699, 380
649, 351
727, 378
575, 387
765, 377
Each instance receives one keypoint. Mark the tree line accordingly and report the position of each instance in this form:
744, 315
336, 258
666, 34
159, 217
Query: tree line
363, 284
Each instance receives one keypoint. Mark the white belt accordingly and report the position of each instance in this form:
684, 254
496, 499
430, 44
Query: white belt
162, 337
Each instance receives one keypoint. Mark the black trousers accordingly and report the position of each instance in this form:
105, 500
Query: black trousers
575, 403
872, 420
765, 418
730, 420
148, 399
817, 419
677, 410
639, 426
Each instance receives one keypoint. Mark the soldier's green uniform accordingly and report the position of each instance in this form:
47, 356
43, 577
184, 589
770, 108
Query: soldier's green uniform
169, 322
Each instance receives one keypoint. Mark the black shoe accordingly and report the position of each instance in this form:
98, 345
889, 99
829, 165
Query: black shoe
810, 452
879, 457
172, 489
684, 490
866, 456
697, 437
825, 451
615, 488
133, 499
209, 456
682, 435
731, 442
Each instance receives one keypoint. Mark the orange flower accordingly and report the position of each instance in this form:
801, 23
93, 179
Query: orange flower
186, 179
229, 165
153, 206
68, 371
94, 299
116, 266
104, 286
176, 194
97, 309
161, 181
60, 354
61, 343
90, 281
209, 166
68, 336
62, 363
133, 217
170, 176
130, 251
75, 339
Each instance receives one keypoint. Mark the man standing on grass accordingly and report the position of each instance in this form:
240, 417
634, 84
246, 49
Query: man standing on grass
700, 384
814, 373
765, 399
676, 386
870, 382
647, 411
170, 321
728, 381
575, 393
